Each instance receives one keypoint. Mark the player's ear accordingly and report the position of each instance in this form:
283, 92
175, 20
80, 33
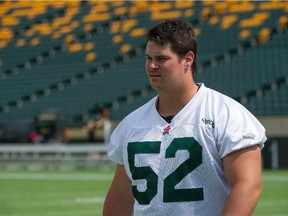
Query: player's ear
189, 59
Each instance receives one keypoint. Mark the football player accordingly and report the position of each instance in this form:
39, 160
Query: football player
190, 150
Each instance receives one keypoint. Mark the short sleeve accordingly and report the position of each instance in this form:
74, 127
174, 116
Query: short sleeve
237, 128
115, 151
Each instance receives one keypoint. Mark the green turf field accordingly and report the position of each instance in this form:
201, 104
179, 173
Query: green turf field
56, 193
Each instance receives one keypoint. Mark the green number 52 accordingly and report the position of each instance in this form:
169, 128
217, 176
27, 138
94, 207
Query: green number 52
170, 193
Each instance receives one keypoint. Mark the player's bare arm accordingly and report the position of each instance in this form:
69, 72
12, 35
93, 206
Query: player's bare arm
119, 200
243, 172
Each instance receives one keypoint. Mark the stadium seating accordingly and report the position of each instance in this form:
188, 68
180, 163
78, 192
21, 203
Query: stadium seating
271, 103
73, 55
249, 71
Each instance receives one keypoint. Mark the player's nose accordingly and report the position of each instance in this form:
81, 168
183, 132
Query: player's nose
153, 65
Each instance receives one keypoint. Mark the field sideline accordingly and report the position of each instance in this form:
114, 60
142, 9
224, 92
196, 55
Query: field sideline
81, 193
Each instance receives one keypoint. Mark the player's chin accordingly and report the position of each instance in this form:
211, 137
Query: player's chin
154, 86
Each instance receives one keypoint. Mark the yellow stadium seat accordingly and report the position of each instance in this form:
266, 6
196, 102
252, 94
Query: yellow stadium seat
245, 34
75, 24
141, 6
197, 31
117, 39
3, 44
160, 6
56, 35
91, 56
22, 12
117, 3
283, 21
69, 39
20, 42
97, 17
205, 13
208, 3
65, 29
88, 27
138, 32
272, 5
256, 20
99, 7
241, 7
57, 4
89, 46
132, 11
58, 21
220, 7
35, 11
227, 21
9, 21
29, 32
35, 41
120, 10
125, 48
160, 15
75, 47
45, 29
264, 35
128, 25
189, 13
214, 20
184, 4
3, 9
115, 27
6, 34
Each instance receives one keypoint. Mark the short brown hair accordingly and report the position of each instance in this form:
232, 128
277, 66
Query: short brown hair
179, 34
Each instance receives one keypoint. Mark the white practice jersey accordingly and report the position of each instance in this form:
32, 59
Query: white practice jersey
176, 168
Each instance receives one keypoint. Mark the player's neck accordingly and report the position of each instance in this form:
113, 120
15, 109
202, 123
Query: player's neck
172, 103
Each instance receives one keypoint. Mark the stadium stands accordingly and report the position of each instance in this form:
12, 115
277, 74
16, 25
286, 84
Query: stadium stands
73, 55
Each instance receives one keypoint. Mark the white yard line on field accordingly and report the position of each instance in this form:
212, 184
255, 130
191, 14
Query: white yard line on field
58, 213
269, 214
273, 203
88, 200
276, 178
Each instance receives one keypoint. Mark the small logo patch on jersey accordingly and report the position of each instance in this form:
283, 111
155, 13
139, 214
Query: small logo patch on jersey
249, 137
166, 130
209, 122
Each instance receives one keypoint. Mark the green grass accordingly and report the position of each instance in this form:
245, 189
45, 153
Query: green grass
58, 193
274, 198
53, 193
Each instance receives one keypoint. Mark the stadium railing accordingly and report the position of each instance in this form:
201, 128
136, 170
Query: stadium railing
57, 150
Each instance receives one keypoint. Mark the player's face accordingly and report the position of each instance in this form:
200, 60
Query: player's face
164, 68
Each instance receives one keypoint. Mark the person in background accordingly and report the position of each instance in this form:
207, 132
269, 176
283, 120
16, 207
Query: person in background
90, 130
188, 151
102, 122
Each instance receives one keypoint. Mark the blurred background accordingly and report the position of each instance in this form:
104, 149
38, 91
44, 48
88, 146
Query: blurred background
71, 70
